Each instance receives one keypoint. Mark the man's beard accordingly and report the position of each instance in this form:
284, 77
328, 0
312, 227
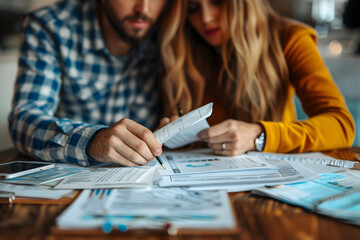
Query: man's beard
123, 33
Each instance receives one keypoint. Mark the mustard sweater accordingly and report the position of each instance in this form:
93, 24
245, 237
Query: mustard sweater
330, 124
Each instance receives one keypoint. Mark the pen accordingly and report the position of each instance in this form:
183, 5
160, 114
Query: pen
161, 163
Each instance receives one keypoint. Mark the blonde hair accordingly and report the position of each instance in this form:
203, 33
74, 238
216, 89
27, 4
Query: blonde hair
253, 70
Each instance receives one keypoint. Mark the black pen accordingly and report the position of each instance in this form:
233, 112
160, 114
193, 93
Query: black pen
161, 163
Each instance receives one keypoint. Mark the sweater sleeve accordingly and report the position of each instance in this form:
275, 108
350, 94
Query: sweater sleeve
330, 124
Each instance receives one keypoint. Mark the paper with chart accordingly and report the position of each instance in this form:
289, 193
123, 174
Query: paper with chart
184, 130
49, 177
203, 161
153, 208
334, 194
121, 177
201, 169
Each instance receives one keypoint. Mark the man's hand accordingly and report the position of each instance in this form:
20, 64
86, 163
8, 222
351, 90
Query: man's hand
231, 137
126, 142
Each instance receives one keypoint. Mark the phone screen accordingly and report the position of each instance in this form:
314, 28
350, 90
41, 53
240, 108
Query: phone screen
15, 167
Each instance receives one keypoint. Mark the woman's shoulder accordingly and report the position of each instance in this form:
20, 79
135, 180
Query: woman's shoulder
292, 31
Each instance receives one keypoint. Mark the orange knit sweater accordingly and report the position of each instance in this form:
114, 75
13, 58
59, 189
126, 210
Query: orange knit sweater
330, 124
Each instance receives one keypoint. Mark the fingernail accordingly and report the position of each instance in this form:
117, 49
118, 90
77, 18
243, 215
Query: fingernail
158, 152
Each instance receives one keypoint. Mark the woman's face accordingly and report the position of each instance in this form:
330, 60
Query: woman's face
204, 17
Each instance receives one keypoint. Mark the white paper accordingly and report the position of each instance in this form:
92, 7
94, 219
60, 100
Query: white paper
334, 194
124, 177
312, 157
34, 191
184, 130
46, 177
190, 162
151, 208
199, 170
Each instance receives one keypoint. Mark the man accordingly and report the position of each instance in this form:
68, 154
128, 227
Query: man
85, 66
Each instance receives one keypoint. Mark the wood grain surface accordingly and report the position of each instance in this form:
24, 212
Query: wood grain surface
258, 218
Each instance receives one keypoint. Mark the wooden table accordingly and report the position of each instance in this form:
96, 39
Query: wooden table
258, 218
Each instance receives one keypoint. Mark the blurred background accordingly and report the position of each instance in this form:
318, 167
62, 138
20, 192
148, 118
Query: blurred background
336, 22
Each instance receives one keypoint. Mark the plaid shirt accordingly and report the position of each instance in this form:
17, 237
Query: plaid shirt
69, 85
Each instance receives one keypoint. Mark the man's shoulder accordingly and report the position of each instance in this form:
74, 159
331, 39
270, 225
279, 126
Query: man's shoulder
61, 13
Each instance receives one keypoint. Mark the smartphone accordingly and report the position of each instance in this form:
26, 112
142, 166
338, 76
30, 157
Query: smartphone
19, 168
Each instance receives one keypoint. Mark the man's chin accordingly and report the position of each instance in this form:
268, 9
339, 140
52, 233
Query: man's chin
137, 36
135, 39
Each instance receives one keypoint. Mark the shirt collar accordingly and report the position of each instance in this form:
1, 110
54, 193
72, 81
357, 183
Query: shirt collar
93, 39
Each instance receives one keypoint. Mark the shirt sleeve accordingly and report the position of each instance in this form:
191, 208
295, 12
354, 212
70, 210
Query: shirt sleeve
330, 124
34, 128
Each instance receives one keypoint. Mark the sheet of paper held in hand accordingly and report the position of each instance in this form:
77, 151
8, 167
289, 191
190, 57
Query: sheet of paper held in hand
184, 130
121, 177
152, 208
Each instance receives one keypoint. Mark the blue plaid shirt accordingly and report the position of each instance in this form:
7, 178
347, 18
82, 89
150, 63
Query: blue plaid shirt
69, 85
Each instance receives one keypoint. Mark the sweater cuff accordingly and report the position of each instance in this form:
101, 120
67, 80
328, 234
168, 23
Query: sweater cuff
273, 136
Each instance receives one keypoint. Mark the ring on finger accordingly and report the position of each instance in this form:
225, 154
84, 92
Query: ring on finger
223, 146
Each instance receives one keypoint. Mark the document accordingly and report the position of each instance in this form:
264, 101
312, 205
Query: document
48, 177
152, 208
203, 161
334, 194
312, 157
121, 177
201, 170
34, 191
184, 130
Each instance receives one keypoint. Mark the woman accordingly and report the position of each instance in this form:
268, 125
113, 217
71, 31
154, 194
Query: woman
250, 61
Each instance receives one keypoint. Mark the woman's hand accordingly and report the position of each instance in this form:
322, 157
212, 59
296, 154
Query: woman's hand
164, 121
231, 137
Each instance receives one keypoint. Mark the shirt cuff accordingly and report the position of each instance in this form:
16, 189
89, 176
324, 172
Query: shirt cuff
75, 150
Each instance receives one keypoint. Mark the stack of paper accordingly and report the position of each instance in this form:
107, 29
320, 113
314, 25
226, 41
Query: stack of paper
120, 177
151, 208
199, 169
59, 181
30, 191
39, 184
334, 194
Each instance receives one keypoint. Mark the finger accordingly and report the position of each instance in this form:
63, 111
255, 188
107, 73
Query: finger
226, 152
225, 138
132, 158
114, 156
135, 149
164, 121
174, 117
222, 146
122, 148
146, 135
216, 130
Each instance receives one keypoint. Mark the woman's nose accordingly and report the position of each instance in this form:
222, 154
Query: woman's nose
207, 14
